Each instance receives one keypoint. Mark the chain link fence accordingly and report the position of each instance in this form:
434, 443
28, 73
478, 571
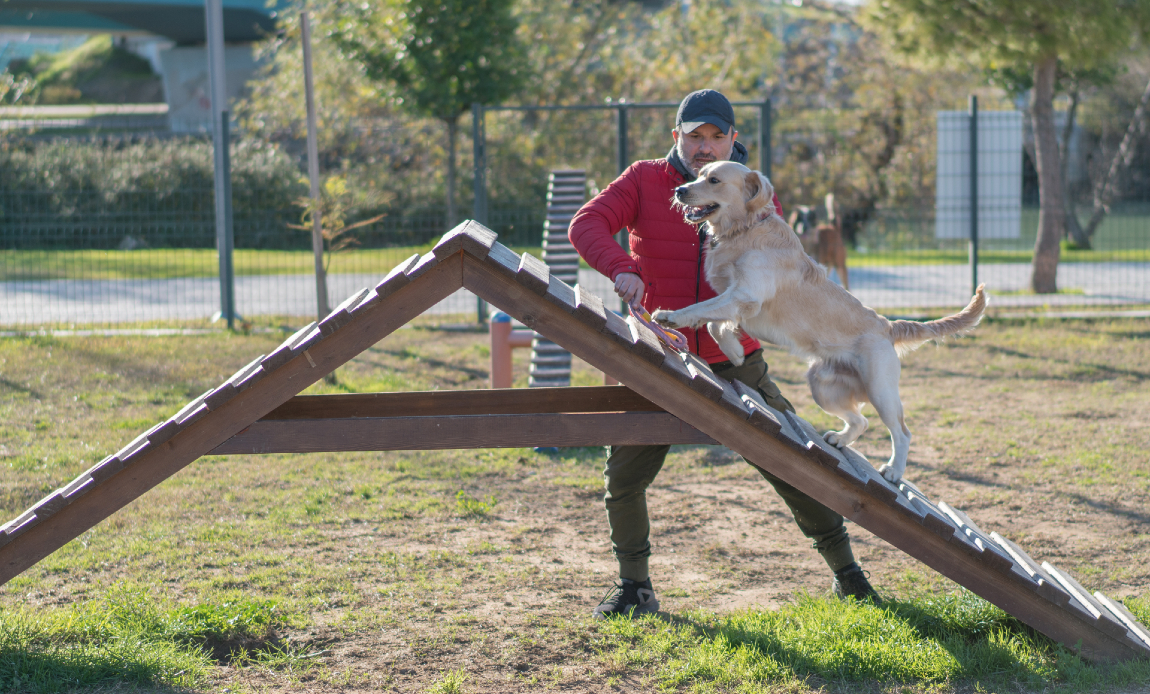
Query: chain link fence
108, 221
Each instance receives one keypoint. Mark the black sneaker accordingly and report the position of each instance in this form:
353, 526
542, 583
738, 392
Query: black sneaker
852, 582
628, 598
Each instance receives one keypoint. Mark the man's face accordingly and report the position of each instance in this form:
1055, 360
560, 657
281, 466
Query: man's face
703, 145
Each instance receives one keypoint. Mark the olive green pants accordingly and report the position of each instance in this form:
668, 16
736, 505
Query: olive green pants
631, 469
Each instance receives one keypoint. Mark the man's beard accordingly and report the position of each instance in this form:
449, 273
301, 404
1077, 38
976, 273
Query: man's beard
690, 163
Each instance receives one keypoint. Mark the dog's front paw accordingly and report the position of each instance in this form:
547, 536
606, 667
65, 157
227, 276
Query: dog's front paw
835, 439
891, 473
664, 317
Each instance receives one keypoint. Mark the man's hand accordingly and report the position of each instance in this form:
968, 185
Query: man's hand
629, 287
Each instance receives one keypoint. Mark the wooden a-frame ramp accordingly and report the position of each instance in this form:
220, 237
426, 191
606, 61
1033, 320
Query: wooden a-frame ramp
667, 398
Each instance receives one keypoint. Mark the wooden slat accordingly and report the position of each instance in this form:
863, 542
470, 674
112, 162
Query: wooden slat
760, 415
282, 354
341, 314
470, 237
647, 344
703, 380
980, 539
503, 260
589, 309
462, 431
533, 273
1106, 621
1119, 611
148, 465
560, 293
425, 263
1047, 586
1008, 590
464, 402
395, 279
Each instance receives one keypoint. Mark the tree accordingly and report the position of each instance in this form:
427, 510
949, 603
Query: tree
1037, 34
441, 56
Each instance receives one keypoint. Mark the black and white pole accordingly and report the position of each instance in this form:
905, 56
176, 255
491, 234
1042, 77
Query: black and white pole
973, 193
321, 302
225, 238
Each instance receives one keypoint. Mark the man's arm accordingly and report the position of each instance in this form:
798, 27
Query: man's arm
593, 228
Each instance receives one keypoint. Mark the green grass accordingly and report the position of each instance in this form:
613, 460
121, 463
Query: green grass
922, 641
127, 636
961, 257
172, 263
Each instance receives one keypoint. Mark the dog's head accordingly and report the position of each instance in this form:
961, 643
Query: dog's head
726, 194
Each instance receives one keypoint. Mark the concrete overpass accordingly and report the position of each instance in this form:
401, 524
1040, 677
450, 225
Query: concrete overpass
180, 21
178, 24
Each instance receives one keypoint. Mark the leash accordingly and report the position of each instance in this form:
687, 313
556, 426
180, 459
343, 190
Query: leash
672, 338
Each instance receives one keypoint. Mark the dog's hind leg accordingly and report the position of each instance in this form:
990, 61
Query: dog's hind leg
726, 335
839, 391
881, 376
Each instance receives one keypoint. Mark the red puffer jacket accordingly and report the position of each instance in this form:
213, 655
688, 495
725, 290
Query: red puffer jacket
665, 249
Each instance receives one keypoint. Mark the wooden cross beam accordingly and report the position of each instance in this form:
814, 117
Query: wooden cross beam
511, 418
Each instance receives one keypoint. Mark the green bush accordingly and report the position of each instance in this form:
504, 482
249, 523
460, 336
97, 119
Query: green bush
92, 193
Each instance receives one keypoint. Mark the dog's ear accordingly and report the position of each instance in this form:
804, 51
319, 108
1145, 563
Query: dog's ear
758, 191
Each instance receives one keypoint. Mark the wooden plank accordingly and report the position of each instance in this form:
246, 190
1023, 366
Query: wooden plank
394, 280
422, 266
1119, 611
1106, 621
341, 315
703, 380
533, 273
589, 309
282, 354
1047, 587
760, 416
647, 344
503, 260
617, 329
464, 402
561, 294
772, 454
975, 534
462, 431
932, 516
150, 465
470, 237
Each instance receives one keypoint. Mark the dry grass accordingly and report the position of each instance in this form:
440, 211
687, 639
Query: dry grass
386, 577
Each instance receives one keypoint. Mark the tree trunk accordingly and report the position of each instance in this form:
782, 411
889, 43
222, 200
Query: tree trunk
1104, 191
1074, 232
452, 137
1051, 212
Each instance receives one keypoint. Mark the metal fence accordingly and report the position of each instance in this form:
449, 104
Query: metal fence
110, 223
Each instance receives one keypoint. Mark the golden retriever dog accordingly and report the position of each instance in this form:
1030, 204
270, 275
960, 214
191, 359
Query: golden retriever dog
823, 242
775, 292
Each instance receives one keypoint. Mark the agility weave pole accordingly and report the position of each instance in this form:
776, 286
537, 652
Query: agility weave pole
669, 398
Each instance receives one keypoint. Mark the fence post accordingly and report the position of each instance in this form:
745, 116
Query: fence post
225, 238
321, 302
621, 138
765, 138
479, 184
973, 193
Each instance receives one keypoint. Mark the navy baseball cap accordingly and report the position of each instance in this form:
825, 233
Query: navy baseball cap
705, 106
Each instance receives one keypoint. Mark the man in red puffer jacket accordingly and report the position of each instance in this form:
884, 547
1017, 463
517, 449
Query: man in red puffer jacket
665, 270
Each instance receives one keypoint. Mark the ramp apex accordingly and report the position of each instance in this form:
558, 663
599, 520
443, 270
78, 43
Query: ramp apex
470, 237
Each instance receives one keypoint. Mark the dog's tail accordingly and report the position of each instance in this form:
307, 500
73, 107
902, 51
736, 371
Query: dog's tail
908, 335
